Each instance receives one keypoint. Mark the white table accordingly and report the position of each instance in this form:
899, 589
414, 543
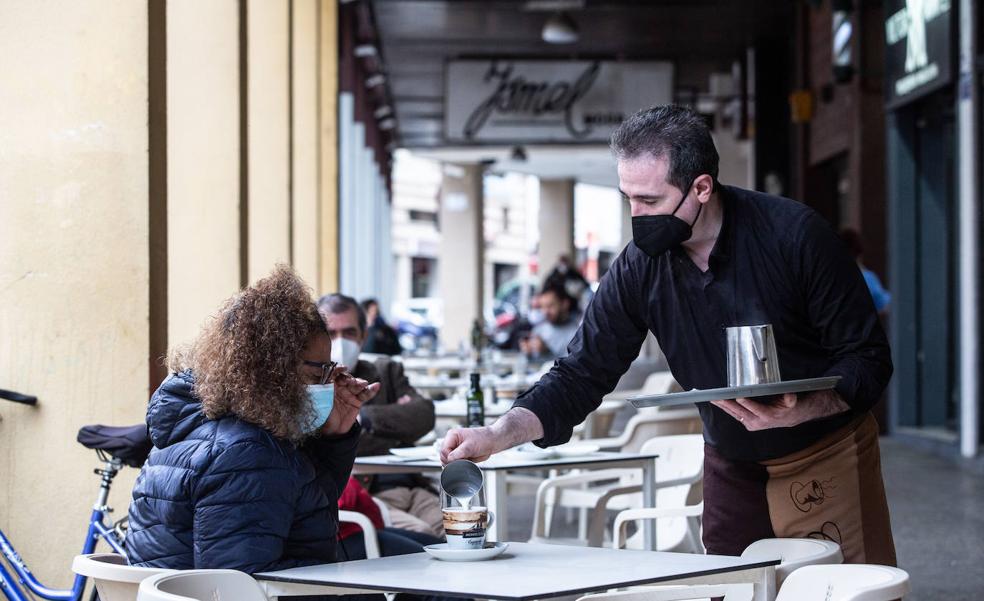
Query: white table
524, 572
495, 470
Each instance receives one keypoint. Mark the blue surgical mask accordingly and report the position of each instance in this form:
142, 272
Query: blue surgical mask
322, 400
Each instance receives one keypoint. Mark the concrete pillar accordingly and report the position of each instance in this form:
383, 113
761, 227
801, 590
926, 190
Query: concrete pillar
556, 223
74, 260
328, 144
304, 135
462, 251
203, 161
268, 118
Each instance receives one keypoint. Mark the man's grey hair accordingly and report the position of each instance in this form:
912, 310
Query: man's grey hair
670, 132
336, 304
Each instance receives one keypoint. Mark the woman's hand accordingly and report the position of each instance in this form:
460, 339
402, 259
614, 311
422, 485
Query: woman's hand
350, 394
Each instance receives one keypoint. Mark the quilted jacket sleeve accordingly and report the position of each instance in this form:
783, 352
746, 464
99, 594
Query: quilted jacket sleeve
243, 510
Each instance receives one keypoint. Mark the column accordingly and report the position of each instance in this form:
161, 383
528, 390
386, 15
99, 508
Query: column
556, 222
268, 136
328, 144
203, 161
74, 259
305, 228
968, 162
462, 251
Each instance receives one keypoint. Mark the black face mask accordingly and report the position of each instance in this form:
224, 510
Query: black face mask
656, 234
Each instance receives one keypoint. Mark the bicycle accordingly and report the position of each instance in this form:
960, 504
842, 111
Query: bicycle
116, 447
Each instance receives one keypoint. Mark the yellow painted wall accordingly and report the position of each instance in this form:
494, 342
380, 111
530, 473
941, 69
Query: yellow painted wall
203, 161
73, 259
268, 126
328, 122
305, 141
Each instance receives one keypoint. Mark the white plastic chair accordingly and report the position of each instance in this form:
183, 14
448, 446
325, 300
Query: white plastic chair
846, 582
679, 473
201, 585
795, 553
368, 530
114, 579
659, 382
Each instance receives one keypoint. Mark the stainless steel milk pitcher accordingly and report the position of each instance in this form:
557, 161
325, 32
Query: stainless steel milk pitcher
752, 357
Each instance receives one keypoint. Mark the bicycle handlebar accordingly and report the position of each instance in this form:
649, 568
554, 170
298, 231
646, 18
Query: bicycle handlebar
17, 397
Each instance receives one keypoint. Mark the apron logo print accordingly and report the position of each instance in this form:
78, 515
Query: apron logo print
829, 531
805, 496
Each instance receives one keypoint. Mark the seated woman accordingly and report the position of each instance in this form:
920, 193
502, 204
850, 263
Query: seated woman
250, 455
392, 541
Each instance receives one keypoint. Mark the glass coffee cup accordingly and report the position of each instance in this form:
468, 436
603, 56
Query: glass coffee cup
466, 521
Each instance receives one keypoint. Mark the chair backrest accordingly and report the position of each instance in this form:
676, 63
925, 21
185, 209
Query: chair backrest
681, 457
795, 553
845, 582
653, 422
660, 382
114, 579
202, 585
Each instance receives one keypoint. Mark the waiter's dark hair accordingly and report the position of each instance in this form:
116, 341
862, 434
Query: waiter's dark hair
676, 133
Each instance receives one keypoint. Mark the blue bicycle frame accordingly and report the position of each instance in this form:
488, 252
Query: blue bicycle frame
97, 529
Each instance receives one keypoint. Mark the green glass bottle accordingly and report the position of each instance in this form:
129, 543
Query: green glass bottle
476, 402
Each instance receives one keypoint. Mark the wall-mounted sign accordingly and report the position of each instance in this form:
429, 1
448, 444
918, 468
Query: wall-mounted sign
525, 101
919, 49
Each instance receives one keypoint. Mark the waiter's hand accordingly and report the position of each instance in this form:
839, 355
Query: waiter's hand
517, 426
474, 444
786, 411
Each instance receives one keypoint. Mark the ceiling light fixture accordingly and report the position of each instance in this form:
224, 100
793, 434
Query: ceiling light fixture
383, 111
559, 29
387, 124
375, 80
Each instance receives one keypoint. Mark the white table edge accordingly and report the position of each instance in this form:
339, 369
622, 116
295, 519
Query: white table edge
753, 573
631, 461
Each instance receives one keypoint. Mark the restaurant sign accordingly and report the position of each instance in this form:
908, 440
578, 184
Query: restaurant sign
918, 48
527, 101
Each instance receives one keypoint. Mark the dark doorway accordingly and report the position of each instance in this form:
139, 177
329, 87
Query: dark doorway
925, 262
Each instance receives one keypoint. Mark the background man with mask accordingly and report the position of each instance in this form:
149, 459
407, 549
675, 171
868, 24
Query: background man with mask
705, 257
396, 417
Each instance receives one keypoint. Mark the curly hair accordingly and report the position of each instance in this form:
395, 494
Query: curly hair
245, 360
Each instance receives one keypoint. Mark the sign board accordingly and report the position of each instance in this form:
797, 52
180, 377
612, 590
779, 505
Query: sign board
527, 101
919, 51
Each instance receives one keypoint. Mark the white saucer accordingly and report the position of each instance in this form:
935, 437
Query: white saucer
425, 452
441, 551
531, 452
576, 449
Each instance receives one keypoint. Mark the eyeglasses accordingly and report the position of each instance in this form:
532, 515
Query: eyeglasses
327, 369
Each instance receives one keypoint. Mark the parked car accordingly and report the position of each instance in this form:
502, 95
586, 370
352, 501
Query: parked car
418, 322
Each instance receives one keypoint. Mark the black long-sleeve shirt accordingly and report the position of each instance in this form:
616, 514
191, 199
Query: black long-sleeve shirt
775, 261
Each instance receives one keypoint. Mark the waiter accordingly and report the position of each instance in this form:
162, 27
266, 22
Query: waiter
705, 257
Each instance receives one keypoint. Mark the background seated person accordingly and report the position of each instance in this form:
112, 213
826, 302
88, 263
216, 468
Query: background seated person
247, 460
381, 338
550, 337
396, 417
392, 541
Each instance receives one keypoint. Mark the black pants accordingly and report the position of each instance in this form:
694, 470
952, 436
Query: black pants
392, 541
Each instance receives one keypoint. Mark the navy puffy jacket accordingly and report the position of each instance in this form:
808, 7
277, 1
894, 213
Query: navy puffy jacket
227, 494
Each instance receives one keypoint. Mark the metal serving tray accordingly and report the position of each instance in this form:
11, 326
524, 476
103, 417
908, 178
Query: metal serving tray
733, 392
